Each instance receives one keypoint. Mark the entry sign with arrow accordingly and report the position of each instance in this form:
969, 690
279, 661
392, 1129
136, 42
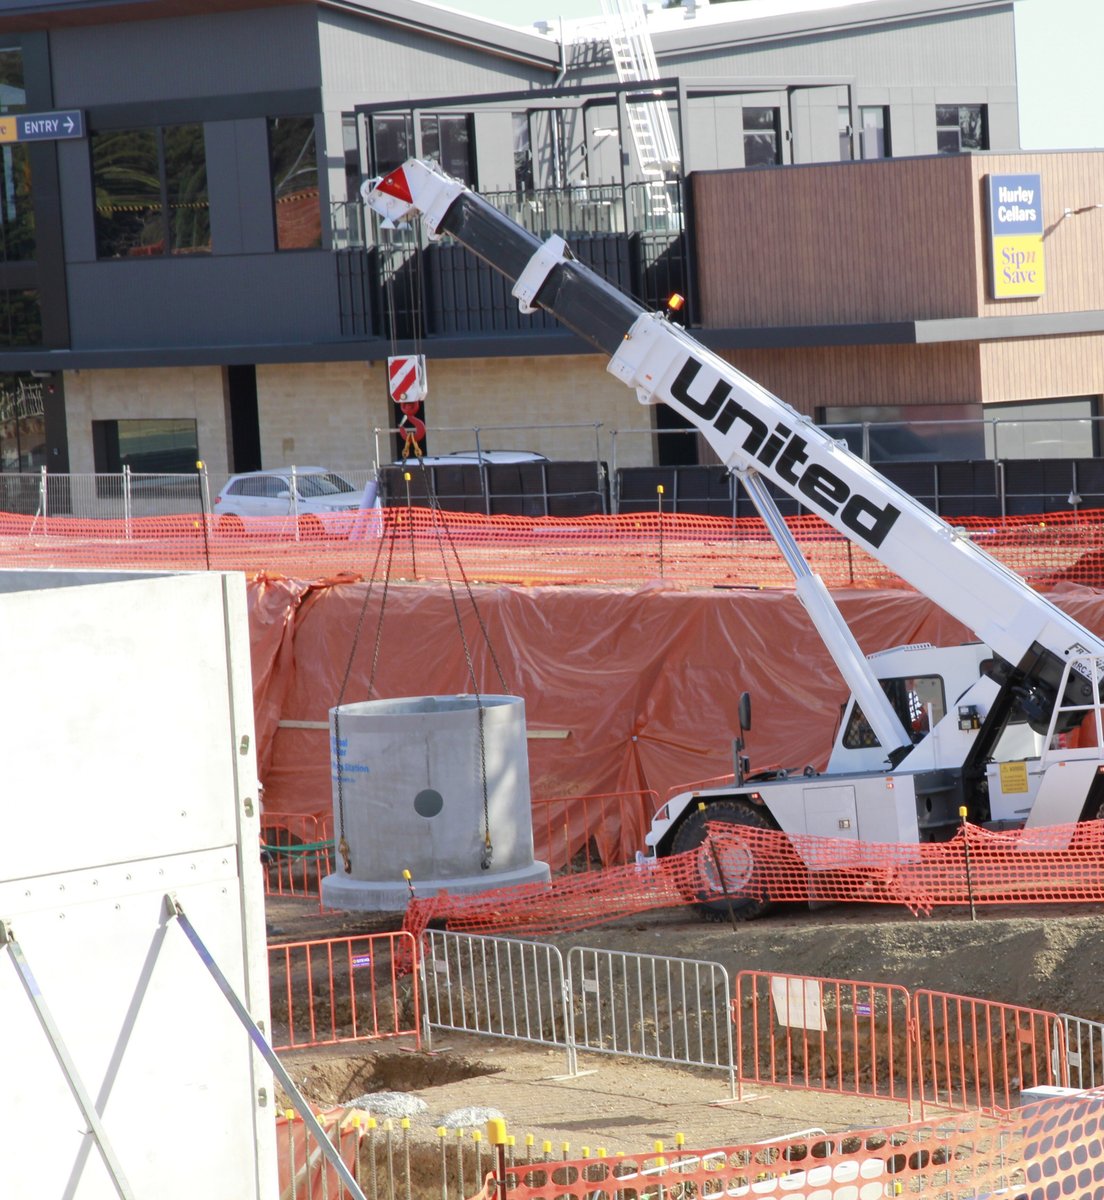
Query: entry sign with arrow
42, 127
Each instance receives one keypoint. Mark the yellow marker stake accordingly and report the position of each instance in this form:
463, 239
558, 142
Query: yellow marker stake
530, 1140
476, 1136
289, 1114
404, 1123
372, 1123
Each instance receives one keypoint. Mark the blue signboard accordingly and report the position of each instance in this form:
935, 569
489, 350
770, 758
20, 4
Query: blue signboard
1016, 236
42, 127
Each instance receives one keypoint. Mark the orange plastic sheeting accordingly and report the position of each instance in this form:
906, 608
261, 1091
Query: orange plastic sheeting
644, 684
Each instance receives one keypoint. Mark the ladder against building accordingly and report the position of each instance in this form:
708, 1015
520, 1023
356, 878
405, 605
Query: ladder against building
650, 125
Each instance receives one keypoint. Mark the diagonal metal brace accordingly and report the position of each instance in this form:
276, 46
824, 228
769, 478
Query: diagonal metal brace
259, 1040
65, 1061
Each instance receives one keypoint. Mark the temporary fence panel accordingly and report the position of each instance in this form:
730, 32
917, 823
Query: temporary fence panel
1082, 1043
582, 833
305, 1174
344, 990
497, 987
672, 1010
827, 1035
978, 1054
296, 853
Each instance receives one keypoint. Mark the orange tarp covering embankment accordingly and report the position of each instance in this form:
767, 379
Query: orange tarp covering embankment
645, 683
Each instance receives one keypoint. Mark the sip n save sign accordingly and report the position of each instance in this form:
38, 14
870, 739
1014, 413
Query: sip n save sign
1016, 236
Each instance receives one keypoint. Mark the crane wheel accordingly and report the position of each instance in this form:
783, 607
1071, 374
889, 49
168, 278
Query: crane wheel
745, 896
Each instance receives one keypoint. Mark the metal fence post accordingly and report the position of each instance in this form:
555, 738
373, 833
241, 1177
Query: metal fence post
126, 500
43, 497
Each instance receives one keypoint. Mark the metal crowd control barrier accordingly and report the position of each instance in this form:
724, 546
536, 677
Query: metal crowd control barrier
977, 1054
672, 1010
1083, 1043
497, 987
344, 990
825, 1035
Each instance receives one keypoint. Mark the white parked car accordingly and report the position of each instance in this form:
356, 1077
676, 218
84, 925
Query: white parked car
321, 500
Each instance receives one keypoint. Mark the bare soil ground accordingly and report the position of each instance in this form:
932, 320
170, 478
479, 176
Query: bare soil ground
1044, 958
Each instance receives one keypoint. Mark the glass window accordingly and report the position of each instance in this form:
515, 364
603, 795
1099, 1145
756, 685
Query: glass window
392, 142
22, 424
156, 446
295, 193
961, 127
918, 702
762, 137
908, 432
151, 192
875, 131
843, 117
447, 139
523, 153
17, 233
1064, 428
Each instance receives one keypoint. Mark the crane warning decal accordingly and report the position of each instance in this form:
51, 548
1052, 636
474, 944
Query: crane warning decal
786, 455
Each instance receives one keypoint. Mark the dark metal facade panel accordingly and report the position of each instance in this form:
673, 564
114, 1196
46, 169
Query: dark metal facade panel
288, 298
220, 54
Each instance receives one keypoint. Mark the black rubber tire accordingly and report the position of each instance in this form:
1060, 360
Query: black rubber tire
231, 525
711, 902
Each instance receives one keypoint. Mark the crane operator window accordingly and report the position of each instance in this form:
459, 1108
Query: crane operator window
918, 701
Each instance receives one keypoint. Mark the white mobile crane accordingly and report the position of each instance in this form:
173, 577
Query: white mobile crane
927, 731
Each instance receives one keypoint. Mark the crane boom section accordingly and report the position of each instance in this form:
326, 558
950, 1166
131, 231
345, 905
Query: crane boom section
748, 427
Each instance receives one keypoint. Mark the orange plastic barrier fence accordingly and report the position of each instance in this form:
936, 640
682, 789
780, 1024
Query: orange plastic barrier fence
626, 550
296, 853
1042, 1152
1061, 864
976, 1054
582, 833
825, 1035
343, 990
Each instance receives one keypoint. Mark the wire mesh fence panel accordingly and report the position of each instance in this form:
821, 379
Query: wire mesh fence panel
346, 989
497, 987
827, 1035
978, 1054
672, 1010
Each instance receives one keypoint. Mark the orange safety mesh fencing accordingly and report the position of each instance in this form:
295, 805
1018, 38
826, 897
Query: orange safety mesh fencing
1060, 864
623, 550
1047, 1150
345, 989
